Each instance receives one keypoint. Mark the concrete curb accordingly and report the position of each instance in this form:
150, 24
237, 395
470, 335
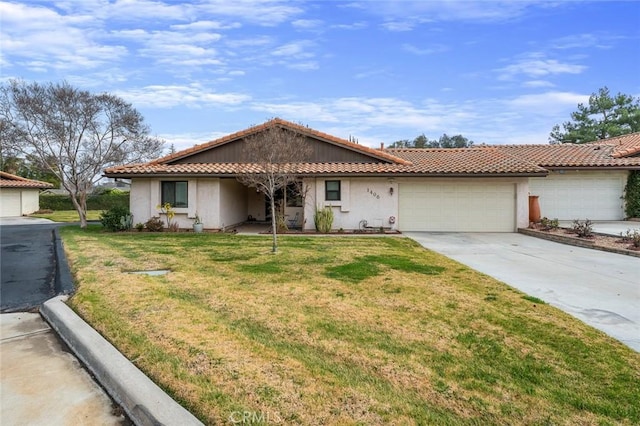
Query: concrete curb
63, 279
143, 401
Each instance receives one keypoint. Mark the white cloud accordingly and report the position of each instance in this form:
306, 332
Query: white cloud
436, 48
549, 101
584, 41
535, 65
42, 39
193, 96
538, 83
307, 24
297, 49
262, 12
406, 15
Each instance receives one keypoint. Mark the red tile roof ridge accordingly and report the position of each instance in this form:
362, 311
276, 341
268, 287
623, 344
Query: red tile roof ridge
280, 122
8, 180
471, 148
624, 145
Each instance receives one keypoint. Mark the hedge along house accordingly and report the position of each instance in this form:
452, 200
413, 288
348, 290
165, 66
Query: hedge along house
19, 196
473, 189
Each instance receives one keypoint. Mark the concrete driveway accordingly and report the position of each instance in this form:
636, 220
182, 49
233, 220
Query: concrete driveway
602, 289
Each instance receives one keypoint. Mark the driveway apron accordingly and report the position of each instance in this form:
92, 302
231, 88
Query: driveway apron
602, 289
27, 266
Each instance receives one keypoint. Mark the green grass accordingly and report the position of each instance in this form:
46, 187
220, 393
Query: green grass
68, 215
344, 330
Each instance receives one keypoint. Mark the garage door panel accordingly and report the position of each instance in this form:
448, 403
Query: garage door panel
463, 207
10, 203
580, 195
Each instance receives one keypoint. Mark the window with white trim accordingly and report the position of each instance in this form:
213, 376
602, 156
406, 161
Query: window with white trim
332, 190
175, 193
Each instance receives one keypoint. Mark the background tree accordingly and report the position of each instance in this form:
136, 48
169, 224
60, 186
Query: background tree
277, 152
445, 141
73, 133
29, 167
605, 116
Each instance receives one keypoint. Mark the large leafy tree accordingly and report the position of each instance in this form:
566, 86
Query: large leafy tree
445, 141
73, 133
605, 116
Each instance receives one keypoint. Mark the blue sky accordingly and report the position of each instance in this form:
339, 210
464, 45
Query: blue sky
380, 71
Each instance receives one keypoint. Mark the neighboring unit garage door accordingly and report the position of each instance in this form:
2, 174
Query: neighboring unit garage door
580, 195
457, 207
10, 203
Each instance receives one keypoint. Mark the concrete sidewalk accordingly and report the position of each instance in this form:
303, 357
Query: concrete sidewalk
41, 383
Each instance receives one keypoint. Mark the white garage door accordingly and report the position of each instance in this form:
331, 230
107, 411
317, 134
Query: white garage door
457, 207
10, 203
581, 195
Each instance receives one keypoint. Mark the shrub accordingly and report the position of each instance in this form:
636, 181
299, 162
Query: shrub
583, 229
632, 237
549, 224
139, 226
116, 219
94, 202
323, 219
632, 194
154, 224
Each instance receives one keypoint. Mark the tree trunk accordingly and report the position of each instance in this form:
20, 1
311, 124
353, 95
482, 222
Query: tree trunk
274, 228
81, 208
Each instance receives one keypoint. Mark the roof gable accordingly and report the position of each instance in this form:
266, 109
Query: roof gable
7, 180
325, 148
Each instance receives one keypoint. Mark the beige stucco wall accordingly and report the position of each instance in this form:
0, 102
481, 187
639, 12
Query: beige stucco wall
370, 199
367, 199
361, 199
30, 201
204, 200
233, 199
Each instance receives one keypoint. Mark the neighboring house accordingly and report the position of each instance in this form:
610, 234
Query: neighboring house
466, 189
19, 196
585, 181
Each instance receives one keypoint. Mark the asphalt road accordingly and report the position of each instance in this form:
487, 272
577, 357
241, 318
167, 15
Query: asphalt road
27, 266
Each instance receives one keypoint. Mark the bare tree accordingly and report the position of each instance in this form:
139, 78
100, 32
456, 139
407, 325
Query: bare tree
275, 153
75, 133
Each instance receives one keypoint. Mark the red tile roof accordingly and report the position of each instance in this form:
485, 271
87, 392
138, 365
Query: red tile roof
623, 146
286, 124
498, 160
463, 161
7, 180
418, 162
570, 155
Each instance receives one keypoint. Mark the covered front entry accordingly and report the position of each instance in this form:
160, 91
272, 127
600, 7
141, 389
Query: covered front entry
457, 206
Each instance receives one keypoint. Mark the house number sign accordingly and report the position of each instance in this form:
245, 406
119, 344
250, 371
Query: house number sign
373, 193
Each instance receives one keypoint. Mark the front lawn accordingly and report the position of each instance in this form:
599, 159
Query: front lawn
343, 330
67, 215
